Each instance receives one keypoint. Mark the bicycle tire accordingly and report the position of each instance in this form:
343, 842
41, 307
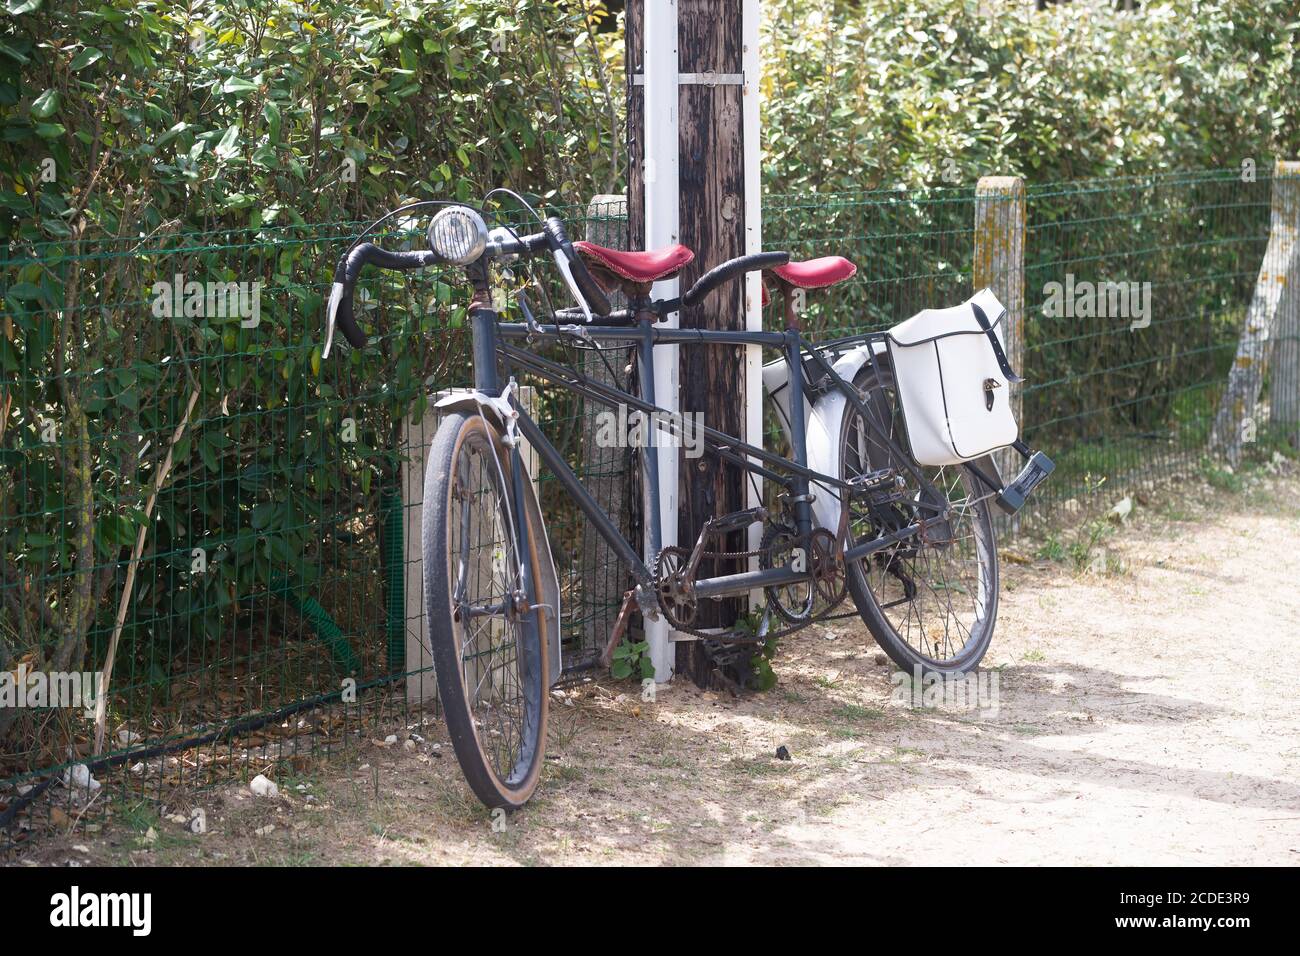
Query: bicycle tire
468, 473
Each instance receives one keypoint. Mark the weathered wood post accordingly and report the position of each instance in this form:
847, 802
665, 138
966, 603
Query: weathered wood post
1000, 266
1272, 311
693, 140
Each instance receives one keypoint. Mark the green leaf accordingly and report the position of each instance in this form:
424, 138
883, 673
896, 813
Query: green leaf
237, 84
271, 112
86, 57
46, 104
19, 7
229, 145
50, 130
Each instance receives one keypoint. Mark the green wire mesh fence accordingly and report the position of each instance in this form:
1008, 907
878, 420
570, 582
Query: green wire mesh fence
173, 386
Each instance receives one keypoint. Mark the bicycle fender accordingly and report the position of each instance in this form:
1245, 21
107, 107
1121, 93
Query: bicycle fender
824, 431
472, 400
548, 584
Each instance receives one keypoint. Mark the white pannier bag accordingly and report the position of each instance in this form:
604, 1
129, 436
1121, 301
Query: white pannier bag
951, 384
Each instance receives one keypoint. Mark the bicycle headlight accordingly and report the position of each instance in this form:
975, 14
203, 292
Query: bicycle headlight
458, 234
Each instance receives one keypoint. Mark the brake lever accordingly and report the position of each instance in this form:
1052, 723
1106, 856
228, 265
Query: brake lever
331, 314
566, 270
530, 320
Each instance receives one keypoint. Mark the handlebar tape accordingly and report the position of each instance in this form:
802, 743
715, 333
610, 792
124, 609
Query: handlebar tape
349, 269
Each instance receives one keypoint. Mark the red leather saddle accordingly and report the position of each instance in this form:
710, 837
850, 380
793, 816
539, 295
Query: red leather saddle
637, 266
814, 273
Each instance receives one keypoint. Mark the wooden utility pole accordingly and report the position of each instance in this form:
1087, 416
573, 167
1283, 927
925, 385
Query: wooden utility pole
693, 178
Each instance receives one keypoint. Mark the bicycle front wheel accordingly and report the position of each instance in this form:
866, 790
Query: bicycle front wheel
489, 646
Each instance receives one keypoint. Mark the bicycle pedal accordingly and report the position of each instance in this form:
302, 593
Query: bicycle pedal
1012, 498
872, 480
737, 520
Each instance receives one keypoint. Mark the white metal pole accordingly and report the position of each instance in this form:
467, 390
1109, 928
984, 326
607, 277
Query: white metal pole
659, 39
750, 15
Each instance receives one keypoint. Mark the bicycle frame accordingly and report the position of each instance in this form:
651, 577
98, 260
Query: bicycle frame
792, 473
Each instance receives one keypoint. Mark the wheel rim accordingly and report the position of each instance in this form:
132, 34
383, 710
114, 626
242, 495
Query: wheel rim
934, 594
495, 665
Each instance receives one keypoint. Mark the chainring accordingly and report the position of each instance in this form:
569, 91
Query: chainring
675, 593
828, 569
778, 540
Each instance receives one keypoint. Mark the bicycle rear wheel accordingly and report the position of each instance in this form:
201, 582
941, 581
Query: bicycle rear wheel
489, 648
930, 602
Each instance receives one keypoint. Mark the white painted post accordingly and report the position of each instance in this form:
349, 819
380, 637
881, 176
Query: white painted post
751, 14
659, 46
416, 439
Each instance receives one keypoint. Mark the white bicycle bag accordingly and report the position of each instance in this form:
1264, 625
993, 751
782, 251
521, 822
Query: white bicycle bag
952, 383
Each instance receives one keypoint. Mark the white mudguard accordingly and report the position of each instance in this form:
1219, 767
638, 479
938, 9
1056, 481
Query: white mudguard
823, 421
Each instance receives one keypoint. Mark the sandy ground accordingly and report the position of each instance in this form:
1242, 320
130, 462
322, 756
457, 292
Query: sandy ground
1147, 713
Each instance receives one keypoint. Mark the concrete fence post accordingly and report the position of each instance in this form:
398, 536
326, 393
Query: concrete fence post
1000, 266
417, 437
602, 589
1271, 325
1284, 378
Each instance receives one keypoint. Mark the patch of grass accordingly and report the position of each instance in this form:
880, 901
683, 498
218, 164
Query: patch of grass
764, 766
1052, 549
1085, 543
857, 713
1034, 657
1220, 477
138, 815
566, 773
901, 755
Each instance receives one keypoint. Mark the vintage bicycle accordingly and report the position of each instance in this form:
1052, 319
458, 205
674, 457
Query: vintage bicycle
886, 497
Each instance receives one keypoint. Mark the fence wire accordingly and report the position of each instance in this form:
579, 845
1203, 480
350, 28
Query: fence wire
275, 611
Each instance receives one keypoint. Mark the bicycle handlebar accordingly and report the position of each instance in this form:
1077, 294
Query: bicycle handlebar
724, 273
345, 280
502, 244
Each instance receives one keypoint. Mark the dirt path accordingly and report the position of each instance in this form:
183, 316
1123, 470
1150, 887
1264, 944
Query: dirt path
1147, 714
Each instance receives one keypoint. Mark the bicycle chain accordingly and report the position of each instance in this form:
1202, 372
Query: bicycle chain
706, 636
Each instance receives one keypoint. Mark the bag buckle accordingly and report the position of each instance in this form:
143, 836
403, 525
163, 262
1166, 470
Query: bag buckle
989, 385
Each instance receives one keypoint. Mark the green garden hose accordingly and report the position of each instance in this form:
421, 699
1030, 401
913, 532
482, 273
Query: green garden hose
329, 632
